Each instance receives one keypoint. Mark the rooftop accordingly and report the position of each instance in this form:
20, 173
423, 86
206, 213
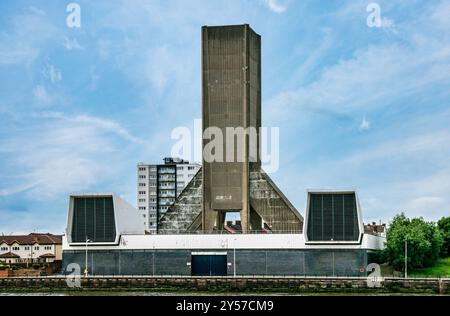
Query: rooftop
31, 239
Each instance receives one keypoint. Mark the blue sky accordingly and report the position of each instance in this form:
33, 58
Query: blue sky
358, 107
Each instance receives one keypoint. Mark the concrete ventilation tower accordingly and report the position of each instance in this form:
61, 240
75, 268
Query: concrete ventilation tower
231, 88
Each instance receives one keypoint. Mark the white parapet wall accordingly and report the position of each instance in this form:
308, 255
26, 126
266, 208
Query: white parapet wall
217, 242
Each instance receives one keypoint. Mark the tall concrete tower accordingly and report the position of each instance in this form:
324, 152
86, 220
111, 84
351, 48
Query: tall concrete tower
231, 86
231, 63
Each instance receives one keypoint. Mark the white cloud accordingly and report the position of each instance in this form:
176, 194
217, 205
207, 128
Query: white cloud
52, 73
66, 154
37, 10
94, 79
441, 14
405, 174
161, 67
96, 122
31, 221
275, 6
365, 125
22, 42
41, 95
387, 23
72, 44
389, 26
17, 189
374, 78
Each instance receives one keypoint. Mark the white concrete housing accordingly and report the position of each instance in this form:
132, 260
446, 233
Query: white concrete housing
127, 220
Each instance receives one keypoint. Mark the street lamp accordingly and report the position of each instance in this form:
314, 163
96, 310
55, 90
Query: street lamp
86, 271
406, 257
234, 256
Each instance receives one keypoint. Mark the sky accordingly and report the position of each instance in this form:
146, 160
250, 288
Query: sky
358, 107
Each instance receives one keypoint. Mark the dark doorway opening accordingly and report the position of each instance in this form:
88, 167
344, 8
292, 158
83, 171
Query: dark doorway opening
209, 265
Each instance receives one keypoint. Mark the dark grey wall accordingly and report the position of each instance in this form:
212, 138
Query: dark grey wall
248, 262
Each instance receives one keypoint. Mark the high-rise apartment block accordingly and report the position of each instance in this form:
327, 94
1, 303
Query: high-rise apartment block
158, 186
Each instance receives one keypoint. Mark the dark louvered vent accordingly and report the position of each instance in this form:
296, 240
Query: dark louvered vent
93, 218
333, 217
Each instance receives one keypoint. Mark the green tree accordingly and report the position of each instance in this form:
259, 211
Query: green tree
444, 226
424, 242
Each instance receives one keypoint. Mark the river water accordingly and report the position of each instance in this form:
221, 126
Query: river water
184, 294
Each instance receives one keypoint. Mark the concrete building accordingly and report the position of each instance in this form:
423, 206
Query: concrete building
158, 185
32, 248
346, 252
271, 237
231, 62
231, 76
101, 218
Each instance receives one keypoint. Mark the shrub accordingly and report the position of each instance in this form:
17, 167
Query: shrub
424, 242
444, 227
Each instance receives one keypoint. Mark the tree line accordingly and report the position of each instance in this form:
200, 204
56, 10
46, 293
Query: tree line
426, 242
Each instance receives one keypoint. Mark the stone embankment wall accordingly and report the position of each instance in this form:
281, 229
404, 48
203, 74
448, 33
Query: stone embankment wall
226, 284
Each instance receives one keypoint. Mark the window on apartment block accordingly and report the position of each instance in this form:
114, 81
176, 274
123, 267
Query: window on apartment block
36, 248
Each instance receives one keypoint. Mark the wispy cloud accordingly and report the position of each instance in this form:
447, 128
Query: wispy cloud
275, 6
37, 10
41, 95
72, 44
95, 122
326, 77
374, 78
365, 125
66, 154
52, 73
28, 35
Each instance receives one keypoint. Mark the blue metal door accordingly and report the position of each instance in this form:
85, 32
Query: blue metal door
209, 265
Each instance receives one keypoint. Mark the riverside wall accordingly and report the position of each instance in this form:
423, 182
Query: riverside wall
227, 284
